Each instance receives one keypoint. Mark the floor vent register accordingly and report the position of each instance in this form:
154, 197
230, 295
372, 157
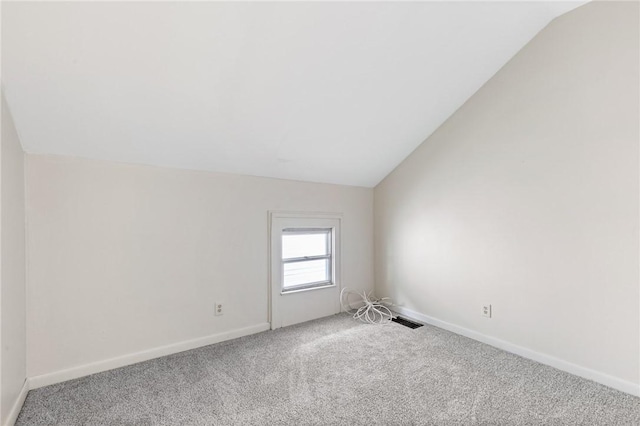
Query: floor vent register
406, 322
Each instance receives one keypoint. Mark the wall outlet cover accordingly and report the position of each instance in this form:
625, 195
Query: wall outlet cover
486, 311
219, 308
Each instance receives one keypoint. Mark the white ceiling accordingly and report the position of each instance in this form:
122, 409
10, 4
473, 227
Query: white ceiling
324, 92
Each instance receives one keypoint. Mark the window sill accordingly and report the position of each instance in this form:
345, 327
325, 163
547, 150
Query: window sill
299, 290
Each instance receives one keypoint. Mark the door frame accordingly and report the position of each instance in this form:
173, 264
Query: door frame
279, 214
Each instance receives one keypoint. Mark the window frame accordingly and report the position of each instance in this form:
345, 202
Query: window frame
329, 231
298, 306
279, 220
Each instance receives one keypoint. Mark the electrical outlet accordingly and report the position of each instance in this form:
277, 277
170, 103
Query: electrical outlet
486, 311
219, 308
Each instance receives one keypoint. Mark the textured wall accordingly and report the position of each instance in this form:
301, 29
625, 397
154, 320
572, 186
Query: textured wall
127, 258
527, 198
12, 310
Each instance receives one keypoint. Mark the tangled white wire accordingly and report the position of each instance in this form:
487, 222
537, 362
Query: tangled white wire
373, 311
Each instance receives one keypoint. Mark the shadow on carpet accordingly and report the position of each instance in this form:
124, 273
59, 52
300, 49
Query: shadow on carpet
334, 371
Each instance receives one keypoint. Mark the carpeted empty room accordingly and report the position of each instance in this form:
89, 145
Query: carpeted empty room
320, 213
334, 371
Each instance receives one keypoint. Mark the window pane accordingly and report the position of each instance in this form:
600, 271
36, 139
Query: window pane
310, 271
301, 245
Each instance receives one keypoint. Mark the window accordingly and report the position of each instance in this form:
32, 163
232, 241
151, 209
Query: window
307, 258
304, 266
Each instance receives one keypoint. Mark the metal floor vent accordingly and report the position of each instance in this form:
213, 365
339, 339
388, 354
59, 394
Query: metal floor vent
406, 322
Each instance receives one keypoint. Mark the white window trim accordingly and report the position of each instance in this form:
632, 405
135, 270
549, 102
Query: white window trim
330, 232
275, 250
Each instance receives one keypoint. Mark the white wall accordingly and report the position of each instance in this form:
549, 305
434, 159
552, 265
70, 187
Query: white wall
12, 266
527, 198
126, 258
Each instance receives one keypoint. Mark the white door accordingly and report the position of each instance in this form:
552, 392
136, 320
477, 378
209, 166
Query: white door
305, 267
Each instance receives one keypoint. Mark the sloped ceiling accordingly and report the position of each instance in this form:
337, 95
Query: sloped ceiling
323, 92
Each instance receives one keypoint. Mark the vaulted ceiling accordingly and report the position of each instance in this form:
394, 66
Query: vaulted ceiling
324, 92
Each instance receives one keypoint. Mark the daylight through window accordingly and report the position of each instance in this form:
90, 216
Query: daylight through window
306, 258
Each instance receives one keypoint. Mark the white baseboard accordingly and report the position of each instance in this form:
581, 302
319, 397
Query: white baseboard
587, 373
17, 406
121, 361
